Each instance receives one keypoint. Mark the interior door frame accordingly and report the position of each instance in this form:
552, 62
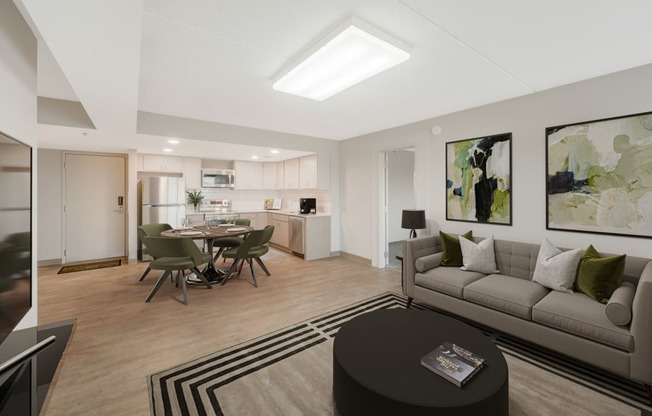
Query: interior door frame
63, 198
383, 199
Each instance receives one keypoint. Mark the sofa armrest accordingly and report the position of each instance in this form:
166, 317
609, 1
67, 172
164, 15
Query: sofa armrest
412, 250
641, 359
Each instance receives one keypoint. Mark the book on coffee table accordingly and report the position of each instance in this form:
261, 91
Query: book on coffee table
453, 363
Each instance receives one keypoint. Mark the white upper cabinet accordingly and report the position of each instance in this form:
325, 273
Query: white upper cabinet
273, 175
192, 172
314, 172
291, 174
248, 175
159, 163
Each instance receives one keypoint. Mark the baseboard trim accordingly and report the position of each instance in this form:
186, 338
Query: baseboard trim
50, 262
356, 258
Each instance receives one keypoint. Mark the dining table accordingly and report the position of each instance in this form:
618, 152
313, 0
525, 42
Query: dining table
209, 234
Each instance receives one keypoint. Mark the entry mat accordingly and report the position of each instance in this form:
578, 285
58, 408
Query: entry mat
289, 372
93, 265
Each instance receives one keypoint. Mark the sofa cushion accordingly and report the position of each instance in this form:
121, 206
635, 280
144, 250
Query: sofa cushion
506, 294
479, 257
516, 259
556, 269
578, 314
451, 248
598, 277
447, 280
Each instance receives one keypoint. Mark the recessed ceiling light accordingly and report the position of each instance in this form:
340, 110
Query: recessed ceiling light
273, 151
167, 149
351, 53
173, 141
254, 157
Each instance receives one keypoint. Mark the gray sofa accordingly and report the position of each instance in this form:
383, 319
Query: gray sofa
510, 302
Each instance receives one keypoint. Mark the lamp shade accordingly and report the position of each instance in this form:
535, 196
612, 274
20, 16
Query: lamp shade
413, 219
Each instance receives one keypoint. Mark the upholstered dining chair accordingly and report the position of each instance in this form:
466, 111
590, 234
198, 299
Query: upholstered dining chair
252, 248
175, 254
150, 230
229, 242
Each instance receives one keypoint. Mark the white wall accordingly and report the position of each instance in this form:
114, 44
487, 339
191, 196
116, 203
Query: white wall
49, 204
18, 108
400, 192
526, 117
355, 191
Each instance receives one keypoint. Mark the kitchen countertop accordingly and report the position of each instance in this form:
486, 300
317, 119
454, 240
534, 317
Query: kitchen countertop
291, 213
262, 211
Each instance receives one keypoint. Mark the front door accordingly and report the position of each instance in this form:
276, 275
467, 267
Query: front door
94, 207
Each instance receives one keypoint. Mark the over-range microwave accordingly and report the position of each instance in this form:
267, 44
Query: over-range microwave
218, 178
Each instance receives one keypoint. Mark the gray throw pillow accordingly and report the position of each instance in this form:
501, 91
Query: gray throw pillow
619, 307
556, 269
479, 257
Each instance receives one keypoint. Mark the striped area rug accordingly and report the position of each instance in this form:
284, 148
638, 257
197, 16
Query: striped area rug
288, 372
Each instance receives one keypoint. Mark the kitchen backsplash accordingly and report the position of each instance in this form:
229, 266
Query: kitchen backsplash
253, 200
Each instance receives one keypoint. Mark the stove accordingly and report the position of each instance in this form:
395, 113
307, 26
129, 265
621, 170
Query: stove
215, 206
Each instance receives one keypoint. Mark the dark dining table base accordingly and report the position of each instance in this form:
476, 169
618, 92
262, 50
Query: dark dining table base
211, 273
209, 234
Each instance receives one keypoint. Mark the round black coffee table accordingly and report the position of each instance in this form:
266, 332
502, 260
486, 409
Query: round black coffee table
377, 367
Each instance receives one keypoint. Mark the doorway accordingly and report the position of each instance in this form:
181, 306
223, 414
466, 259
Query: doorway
94, 207
399, 194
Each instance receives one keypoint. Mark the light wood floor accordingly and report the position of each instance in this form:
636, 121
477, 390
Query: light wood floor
119, 339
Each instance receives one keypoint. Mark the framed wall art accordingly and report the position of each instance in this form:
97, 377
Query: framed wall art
599, 176
479, 180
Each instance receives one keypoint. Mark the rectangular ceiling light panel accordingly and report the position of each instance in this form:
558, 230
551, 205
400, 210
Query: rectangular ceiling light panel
351, 53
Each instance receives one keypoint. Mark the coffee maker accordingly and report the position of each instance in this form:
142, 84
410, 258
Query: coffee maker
308, 205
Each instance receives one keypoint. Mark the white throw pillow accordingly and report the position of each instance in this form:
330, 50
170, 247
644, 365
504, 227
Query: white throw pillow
478, 257
556, 269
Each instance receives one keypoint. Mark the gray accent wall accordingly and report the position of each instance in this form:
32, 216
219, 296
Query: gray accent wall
63, 113
527, 117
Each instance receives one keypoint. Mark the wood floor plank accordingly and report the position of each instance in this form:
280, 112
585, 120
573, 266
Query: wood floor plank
119, 339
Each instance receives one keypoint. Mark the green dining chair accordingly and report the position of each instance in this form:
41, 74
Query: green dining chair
225, 243
252, 248
150, 230
175, 254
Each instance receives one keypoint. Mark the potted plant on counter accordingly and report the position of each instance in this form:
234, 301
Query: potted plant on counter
195, 197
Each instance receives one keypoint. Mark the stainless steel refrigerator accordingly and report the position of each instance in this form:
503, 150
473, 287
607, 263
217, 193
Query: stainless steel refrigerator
163, 200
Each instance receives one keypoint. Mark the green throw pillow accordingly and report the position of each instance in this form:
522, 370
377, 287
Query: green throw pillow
452, 251
599, 277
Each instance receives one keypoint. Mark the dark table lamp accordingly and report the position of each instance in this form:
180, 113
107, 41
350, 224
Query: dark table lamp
413, 219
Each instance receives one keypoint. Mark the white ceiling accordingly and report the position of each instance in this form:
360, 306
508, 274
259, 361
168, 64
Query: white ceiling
214, 60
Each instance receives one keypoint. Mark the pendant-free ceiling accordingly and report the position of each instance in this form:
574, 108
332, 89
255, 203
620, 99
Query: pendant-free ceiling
351, 53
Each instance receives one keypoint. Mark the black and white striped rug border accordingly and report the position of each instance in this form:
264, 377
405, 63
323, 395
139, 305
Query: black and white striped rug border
189, 389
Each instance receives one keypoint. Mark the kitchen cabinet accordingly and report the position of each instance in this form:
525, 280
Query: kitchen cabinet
291, 174
262, 220
248, 175
309, 235
192, 172
252, 217
159, 163
281, 236
317, 237
273, 175
314, 172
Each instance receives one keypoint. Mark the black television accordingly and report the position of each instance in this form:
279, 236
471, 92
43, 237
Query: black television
15, 232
